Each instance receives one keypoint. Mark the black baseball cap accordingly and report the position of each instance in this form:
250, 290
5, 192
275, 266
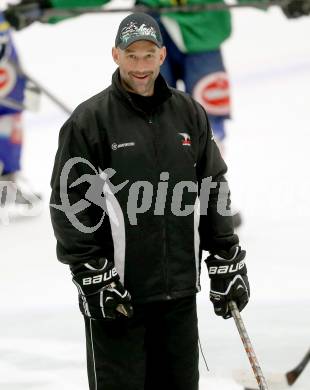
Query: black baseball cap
138, 27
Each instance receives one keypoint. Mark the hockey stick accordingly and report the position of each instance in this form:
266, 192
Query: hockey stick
275, 380
10, 103
50, 95
44, 90
291, 376
69, 12
262, 384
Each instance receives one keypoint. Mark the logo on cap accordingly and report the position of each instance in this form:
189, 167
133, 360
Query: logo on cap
133, 30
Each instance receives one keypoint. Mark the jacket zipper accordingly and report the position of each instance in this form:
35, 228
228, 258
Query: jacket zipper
164, 233
168, 296
149, 120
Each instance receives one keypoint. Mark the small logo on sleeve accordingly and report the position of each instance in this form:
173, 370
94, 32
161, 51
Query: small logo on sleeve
186, 139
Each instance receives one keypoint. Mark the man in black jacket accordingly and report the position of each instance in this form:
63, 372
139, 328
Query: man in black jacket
138, 192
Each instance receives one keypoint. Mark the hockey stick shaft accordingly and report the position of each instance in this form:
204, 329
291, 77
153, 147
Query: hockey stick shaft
292, 375
44, 90
10, 103
220, 6
50, 95
248, 346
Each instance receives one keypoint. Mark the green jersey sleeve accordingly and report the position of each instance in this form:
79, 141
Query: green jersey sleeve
65, 4
77, 3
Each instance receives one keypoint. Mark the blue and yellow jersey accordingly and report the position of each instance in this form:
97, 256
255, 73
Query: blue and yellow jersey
12, 82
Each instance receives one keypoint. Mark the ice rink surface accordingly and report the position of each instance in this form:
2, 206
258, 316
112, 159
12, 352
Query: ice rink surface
268, 57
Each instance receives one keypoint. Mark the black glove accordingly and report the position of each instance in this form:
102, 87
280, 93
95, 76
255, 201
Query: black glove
25, 13
229, 280
101, 294
296, 8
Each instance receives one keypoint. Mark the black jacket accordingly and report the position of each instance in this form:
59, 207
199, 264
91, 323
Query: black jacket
156, 246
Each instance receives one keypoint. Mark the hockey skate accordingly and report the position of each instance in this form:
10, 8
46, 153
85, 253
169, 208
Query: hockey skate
17, 199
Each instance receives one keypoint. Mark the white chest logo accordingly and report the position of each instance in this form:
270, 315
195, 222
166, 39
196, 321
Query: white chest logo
116, 146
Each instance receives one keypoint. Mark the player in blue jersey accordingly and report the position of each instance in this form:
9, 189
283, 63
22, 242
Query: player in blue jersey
12, 91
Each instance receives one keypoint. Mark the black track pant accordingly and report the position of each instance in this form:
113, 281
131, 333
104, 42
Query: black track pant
157, 349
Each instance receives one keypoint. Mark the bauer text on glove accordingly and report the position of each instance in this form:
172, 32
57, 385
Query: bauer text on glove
228, 280
101, 294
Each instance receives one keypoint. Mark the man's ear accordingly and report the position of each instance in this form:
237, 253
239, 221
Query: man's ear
115, 55
162, 55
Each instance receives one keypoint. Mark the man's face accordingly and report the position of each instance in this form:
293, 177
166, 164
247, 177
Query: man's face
139, 66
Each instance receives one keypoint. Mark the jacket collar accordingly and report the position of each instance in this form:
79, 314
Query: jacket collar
161, 89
